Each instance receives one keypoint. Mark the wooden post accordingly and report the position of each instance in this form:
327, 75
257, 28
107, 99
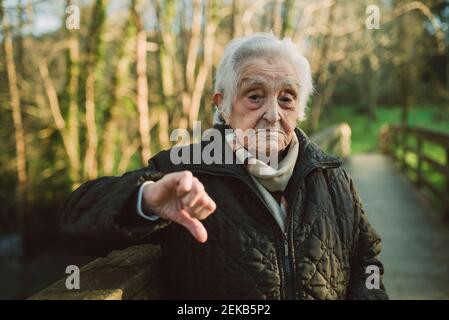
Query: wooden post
447, 183
402, 142
419, 156
394, 135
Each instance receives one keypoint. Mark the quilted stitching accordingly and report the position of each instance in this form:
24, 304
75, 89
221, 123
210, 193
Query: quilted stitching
243, 258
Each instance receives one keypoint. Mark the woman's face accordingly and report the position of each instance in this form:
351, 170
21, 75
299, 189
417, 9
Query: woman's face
267, 102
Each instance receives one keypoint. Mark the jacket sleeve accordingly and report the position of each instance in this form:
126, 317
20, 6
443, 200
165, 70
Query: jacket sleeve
365, 265
101, 215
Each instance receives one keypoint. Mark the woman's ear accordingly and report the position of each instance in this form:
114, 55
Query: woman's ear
217, 98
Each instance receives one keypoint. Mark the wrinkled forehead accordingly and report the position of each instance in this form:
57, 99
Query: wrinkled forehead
256, 80
267, 73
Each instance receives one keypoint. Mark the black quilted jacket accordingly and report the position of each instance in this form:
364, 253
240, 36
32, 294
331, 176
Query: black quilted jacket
323, 255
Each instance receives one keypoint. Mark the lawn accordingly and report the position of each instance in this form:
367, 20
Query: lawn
365, 131
365, 134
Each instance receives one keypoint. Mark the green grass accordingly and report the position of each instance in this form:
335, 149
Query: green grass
365, 134
365, 131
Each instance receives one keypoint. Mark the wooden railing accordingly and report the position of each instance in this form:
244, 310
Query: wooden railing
130, 274
397, 141
335, 139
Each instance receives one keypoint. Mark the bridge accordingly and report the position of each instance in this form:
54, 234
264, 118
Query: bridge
415, 250
413, 227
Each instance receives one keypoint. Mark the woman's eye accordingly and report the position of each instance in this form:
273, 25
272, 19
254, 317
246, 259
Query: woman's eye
286, 99
255, 97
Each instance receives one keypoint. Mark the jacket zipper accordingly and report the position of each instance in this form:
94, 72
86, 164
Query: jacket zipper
290, 288
291, 291
287, 246
289, 281
289, 264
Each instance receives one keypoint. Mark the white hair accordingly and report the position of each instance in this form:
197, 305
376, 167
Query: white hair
258, 45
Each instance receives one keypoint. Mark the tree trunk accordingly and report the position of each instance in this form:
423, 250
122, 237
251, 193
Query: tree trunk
236, 24
90, 161
19, 131
323, 74
276, 16
121, 78
208, 46
142, 86
96, 29
405, 73
73, 61
286, 18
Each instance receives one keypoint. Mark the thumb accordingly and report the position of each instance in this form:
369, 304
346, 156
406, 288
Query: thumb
195, 227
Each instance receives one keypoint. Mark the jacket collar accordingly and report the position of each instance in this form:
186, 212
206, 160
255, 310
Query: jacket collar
310, 156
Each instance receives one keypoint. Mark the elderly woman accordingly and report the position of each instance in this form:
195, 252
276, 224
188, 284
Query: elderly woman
293, 228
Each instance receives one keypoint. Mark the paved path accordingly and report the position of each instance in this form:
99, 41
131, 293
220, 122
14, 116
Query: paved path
415, 244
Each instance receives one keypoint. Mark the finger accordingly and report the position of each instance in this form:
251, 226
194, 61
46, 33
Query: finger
203, 214
208, 206
200, 204
190, 199
195, 227
184, 182
212, 206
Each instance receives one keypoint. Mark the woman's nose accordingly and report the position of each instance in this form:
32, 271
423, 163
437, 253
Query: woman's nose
272, 113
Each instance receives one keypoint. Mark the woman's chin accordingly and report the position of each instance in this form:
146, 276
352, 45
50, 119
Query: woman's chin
271, 148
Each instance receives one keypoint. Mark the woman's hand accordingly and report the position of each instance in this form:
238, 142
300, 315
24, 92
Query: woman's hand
180, 197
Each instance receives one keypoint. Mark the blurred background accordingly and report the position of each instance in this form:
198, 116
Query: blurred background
94, 87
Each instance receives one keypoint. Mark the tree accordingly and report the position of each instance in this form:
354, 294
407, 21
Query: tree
19, 131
